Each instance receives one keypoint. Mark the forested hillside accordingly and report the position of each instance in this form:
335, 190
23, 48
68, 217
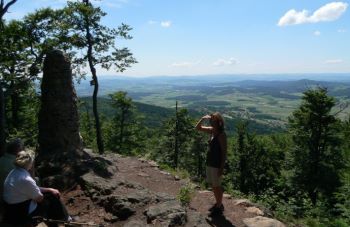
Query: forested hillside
153, 116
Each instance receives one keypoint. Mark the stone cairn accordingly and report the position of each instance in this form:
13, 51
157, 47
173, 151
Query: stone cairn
60, 144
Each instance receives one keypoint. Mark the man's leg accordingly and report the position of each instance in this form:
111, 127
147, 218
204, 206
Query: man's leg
51, 208
56, 209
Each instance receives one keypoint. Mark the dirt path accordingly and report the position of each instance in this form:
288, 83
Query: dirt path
147, 174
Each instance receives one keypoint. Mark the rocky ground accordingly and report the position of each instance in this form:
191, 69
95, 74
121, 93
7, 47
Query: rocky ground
132, 192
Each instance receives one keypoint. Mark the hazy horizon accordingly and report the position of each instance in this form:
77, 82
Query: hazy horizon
257, 76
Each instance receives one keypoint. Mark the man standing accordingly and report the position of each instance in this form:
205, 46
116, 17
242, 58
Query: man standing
7, 160
7, 164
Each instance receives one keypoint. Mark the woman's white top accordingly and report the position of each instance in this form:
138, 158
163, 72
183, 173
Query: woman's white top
19, 186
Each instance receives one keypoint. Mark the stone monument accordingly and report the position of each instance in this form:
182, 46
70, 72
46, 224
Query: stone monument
60, 145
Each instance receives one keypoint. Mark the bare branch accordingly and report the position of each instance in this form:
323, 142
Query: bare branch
3, 9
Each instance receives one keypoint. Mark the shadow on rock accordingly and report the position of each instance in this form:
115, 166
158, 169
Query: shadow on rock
100, 167
219, 221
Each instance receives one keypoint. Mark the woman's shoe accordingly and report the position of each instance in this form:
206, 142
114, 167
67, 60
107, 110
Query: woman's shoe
217, 210
212, 208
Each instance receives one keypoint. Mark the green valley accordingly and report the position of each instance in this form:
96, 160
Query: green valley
266, 104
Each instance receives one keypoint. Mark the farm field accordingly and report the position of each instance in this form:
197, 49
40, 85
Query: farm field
263, 102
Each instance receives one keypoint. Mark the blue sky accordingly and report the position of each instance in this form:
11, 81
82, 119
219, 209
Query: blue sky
194, 37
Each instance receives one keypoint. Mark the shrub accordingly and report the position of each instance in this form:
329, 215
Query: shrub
185, 194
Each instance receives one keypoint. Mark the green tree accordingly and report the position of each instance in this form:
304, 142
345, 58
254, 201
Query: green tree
45, 32
86, 125
259, 161
175, 143
27, 130
3, 9
197, 154
317, 157
242, 154
15, 58
83, 21
26, 43
126, 131
183, 133
342, 194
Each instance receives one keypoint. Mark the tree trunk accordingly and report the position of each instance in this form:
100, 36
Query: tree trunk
121, 134
313, 197
97, 119
89, 127
95, 83
2, 121
176, 138
14, 106
199, 168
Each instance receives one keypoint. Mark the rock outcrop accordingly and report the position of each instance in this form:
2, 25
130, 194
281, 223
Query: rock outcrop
171, 213
260, 221
123, 199
60, 145
137, 193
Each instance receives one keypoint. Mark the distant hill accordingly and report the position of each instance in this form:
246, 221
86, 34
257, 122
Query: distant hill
154, 116
149, 85
265, 103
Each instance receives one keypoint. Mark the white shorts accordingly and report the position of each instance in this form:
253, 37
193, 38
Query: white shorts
212, 176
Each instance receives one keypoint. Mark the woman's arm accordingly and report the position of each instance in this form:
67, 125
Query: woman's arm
202, 128
223, 144
53, 191
39, 198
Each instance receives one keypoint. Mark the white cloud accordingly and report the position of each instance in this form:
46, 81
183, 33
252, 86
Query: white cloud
334, 61
293, 17
341, 30
317, 33
223, 62
165, 24
329, 12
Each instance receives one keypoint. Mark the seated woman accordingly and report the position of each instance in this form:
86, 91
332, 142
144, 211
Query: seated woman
24, 199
